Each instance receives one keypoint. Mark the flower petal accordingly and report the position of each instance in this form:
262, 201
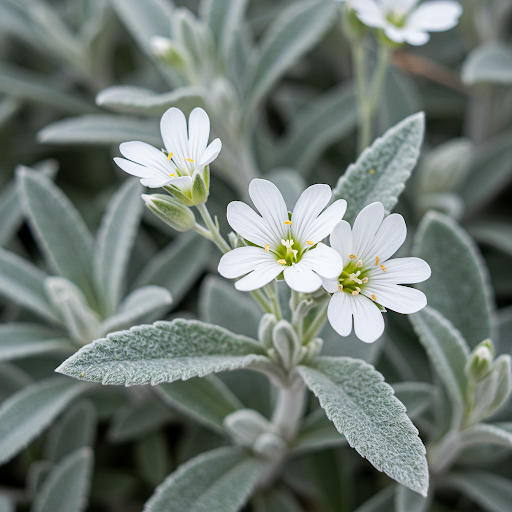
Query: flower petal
261, 276
396, 34
308, 207
367, 222
173, 126
209, 154
368, 320
330, 285
135, 169
184, 183
341, 240
149, 156
323, 260
198, 133
270, 203
401, 299
339, 313
157, 182
435, 16
389, 238
401, 271
369, 13
301, 278
324, 224
416, 37
240, 261
248, 224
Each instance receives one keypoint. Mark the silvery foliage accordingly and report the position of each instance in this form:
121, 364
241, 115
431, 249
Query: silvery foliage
237, 446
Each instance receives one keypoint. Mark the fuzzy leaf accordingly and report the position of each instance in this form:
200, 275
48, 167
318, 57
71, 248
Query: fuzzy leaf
152, 456
162, 352
409, 501
216, 481
459, 284
494, 233
276, 500
416, 396
24, 415
101, 130
296, 29
207, 400
491, 62
19, 340
363, 408
483, 433
67, 485
392, 158
60, 230
114, 243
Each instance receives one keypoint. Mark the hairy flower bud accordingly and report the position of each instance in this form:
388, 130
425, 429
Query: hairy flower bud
287, 344
171, 211
246, 425
480, 361
265, 327
166, 50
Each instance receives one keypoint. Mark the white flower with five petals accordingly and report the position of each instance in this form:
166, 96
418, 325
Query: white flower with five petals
282, 242
370, 281
405, 21
186, 156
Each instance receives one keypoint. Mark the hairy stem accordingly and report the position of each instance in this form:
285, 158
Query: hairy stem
288, 411
215, 235
316, 325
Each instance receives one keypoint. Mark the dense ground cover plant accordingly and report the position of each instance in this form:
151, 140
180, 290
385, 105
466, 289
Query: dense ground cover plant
268, 326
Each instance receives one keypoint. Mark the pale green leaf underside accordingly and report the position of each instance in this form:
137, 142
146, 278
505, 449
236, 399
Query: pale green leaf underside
162, 352
216, 481
490, 62
364, 409
392, 158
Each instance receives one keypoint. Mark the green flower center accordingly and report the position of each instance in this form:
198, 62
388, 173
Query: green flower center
397, 17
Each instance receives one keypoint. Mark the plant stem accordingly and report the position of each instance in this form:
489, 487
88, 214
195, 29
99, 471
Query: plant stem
273, 295
316, 324
260, 298
443, 453
288, 410
215, 237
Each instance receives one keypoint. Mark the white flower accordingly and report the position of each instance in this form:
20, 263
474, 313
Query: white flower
402, 21
283, 243
186, 155
370, 281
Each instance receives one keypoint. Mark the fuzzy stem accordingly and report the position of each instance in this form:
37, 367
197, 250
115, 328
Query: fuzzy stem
316, 325
216, 237
260, 298
442, 454
272, 294
288, 411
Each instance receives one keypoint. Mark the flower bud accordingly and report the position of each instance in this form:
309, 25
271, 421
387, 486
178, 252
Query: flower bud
269, 445
502, 369
480, 361
265, 327
166, 50
313, 349
246, 425
200, 186
171, 211
287, 343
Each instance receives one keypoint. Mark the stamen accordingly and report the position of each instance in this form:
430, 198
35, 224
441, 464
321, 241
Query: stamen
376, 260
309, 242
189, 160
372, 171
340, 287
352, 256
359, 263
383, 268
356, 291
281, 262
169, 156
374, 298
172, 175
365, 279
267, 247
289, 222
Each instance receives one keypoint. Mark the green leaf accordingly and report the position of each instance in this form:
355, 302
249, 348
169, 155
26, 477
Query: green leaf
220, 303
327, 119
137, 100
207, 400
416, 396
24, 415
276, 500
294, 32
392, 158
363, 408
23, 283
136, 420
76, 429
380, 502
496, 234
101, 130
459, 284
12, 379
152, 457
492, 492
491, 62
60, 230
447, 351
67, 485
162, 352
114, 242
178, 266
216, 481
498, 434
410, 501
18, 340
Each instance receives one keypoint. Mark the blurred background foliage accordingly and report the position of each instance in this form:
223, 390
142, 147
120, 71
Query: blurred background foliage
63, 115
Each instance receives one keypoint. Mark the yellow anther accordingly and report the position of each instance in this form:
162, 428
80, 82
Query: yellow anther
82, 374
117, 357
356, 291
376, 260
169, 156
359, 263
172, 175
267, 247
372, 171
365, 279
383, 268
340, 287
189, 160
289, 222
374, 298
281, 262
309, 242
353, 257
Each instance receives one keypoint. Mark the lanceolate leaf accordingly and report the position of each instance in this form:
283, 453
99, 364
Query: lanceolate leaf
23, 339
499, 433
381, 171
60, 231
416, 396
162, 352
363, 408
216, 481
67, 485
459, 285
206, 399
114, 243
24, 415
448, 352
